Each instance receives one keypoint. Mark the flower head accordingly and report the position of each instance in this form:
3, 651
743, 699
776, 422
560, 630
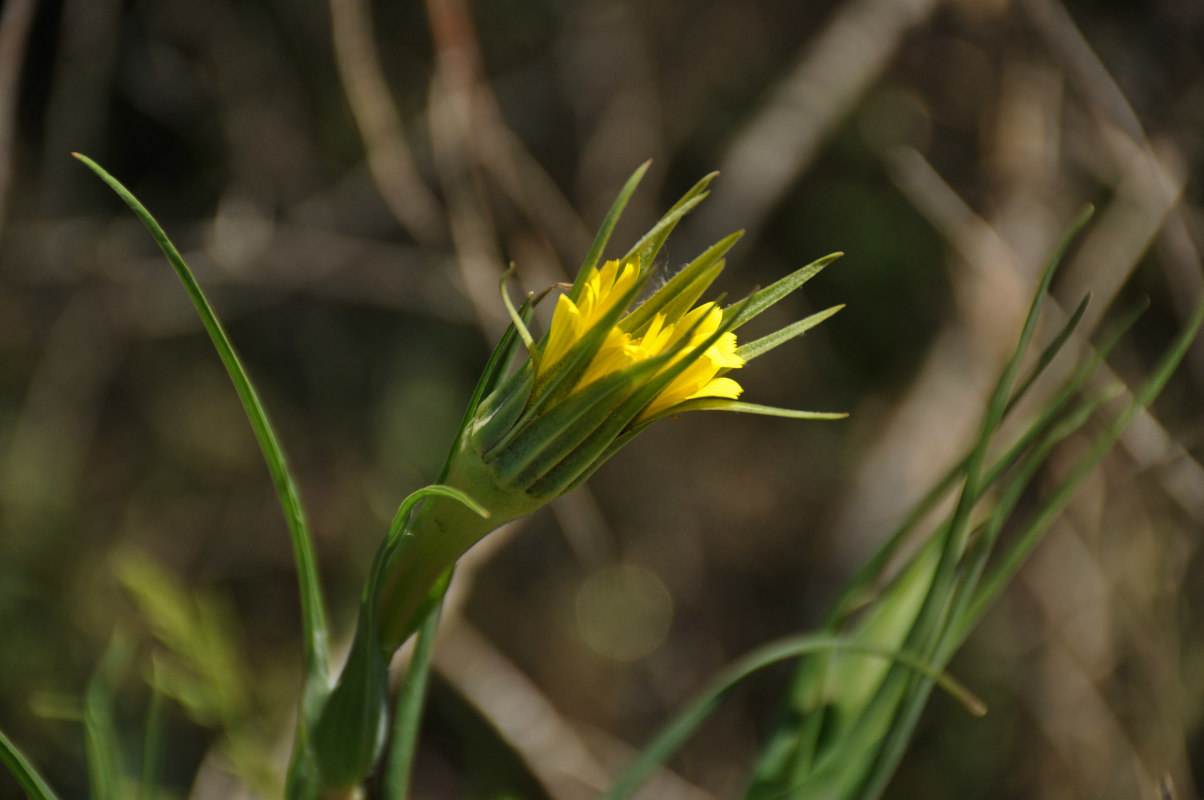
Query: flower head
609, 365
540, 423
621, 349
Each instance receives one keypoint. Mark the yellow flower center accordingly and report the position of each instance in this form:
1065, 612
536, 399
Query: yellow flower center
602, 289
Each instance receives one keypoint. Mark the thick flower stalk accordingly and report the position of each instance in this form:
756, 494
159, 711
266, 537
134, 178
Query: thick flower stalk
608, 366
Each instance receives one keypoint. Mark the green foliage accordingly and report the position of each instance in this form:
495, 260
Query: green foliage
199, 665
856, 697
313, 614
855, 701
18, 765
349, 733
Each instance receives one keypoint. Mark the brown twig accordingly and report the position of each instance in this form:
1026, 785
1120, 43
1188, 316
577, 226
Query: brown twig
772, 149
380, 124
14, 34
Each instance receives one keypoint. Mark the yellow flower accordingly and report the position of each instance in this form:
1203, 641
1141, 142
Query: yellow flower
701, 378
605, 287
602, 290
609, 366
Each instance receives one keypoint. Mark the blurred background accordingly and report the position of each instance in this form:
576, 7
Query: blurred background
348, 180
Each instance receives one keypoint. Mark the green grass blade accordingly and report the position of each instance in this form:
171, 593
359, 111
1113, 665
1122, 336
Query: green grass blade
760, 301
313, 615
936, 607
1049, 353
152, 746
857, 591
608, 226
723, 404
872, 569
27, 777
933, 615
106, 773
962, 621
968, 607
1050, 510
964, 617
970, 612
407, 714
763, 345
650, 243
681, 291
971, 490
673, 735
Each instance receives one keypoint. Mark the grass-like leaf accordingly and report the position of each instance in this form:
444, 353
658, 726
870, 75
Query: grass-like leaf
673, 735
723, 404
27, 777
765, 298
681, 291
153, 745
901, 697
350, 730
106, 773
763, 345
608, 226
407, 714
857, 762
1050, 352
650, 243
313, 615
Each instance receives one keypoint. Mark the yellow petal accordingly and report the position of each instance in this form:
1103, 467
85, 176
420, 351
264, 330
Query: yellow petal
720, 387
565, 330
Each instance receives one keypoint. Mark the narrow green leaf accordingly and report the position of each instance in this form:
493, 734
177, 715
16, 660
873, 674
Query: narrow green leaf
153, 744
723, 404
313, 613
767, 297
965, 616
106, 773
516, 319
1054, 505
401, 518
350, 732
872, 569
679, 730
650, 243
968, 604
393, 626
790, 741
680, 293
407, 715
866, 737
971, 488
1050, 352
759, 347
19, 767
608, 226
890, 748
